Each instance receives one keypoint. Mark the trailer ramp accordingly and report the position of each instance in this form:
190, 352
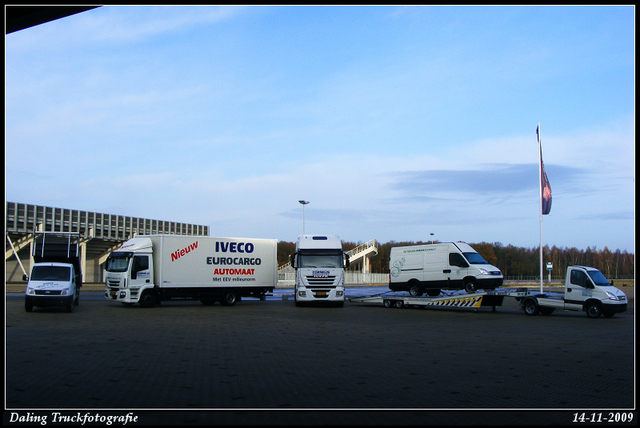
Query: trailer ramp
476, 300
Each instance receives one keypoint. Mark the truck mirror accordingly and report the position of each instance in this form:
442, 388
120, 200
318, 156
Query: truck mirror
346, 261
292, 259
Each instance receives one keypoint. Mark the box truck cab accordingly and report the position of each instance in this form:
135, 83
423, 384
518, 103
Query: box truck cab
320, 264
153, 268
55, 278
586, 289
429, 268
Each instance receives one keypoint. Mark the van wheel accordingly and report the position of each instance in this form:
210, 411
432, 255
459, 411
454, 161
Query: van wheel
593, 310
530, 307
433, 293
70, 306
414, 290
470, 286
28, 307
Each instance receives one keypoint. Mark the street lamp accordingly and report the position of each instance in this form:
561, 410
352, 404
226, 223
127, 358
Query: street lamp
431, 237
303, 204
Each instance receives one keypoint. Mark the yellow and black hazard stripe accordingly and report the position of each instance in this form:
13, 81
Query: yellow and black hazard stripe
465, 302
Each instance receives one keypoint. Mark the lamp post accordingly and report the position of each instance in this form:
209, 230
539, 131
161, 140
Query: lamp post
431, 237
303, 204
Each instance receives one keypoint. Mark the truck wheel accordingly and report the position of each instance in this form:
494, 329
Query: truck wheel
229, 298
387, 303
414, 290
433, 292
530, 307
593, 310
399, 304
546, 311
147, 300
470, 286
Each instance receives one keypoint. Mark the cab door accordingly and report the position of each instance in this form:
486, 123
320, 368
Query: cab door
140, 271
458, 268
579, 289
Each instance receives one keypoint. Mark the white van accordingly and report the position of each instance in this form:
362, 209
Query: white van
429, 268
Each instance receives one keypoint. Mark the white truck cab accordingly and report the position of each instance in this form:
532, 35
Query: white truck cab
320, 265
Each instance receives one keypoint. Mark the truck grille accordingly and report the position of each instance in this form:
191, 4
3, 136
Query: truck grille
48, 292
325, 281
113, 283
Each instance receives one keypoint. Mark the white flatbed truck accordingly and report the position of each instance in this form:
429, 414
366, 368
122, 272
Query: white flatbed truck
586, 290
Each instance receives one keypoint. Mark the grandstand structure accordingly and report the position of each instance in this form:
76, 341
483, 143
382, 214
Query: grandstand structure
99, 235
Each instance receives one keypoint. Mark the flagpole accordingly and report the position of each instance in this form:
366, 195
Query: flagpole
540, 195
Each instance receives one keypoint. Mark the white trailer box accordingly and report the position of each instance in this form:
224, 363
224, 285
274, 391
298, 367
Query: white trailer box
432, 267
152, 268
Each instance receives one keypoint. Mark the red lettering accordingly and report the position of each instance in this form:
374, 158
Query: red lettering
179, 253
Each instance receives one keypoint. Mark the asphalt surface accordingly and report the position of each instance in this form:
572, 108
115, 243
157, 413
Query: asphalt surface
271, 363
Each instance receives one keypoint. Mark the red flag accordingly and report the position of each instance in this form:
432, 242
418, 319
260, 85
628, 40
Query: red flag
545, 187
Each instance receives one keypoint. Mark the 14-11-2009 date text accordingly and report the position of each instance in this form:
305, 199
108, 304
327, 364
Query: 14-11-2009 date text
597, 417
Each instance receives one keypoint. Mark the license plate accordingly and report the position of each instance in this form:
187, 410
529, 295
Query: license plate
321, 293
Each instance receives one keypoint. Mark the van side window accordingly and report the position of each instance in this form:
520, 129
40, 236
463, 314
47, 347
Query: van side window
580, 278
456, 259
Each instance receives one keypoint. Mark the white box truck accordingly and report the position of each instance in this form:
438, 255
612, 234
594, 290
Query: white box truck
56, 275
153, 268
429, 268
320, 264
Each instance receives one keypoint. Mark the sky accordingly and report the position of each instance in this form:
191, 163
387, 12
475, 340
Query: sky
395, 123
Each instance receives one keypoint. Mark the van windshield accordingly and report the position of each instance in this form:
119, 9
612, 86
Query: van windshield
51, 273
475, 259
597, 277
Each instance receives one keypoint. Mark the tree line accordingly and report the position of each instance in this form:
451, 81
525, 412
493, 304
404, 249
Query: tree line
511, 260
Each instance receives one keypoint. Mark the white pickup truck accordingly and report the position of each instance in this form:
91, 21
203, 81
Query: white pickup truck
585, 289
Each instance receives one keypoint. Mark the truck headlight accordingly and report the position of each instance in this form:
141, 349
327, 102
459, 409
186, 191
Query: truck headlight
612, 296
302, 294
339, 293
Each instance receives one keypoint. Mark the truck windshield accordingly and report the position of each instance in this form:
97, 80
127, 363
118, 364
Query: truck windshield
316, 261
117, 264
597, 277
475, 259
51, 273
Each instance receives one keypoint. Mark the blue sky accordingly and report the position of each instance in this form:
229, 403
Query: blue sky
393, 122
